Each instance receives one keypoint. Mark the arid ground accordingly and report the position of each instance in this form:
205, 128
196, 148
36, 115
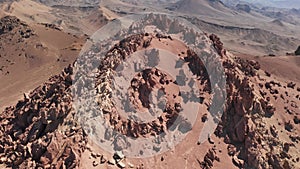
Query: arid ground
46, 116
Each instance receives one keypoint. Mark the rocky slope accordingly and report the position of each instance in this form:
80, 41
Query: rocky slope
31, 53
259, 127
249, 105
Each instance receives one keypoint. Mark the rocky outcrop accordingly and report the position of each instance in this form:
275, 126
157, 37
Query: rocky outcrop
40, 130
209, 158
243, 7
297, 52
217, 44
242, 122
141, 86
32, 133
52, 26
9, 23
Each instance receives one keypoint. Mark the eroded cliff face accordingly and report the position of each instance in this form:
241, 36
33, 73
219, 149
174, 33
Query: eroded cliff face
41, 130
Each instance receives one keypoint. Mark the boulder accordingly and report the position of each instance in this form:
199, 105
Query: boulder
238, 162
297, 52
243, 7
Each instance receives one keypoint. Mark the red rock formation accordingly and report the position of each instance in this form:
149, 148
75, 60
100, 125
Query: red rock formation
30, 137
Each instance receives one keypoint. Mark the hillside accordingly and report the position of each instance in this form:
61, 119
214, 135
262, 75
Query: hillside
202, 7
30, 54
149, 84
84, 19
58, 125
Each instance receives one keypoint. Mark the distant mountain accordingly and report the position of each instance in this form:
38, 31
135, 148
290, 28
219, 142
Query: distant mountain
287, 4
201, 7
81, 3
269, 3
